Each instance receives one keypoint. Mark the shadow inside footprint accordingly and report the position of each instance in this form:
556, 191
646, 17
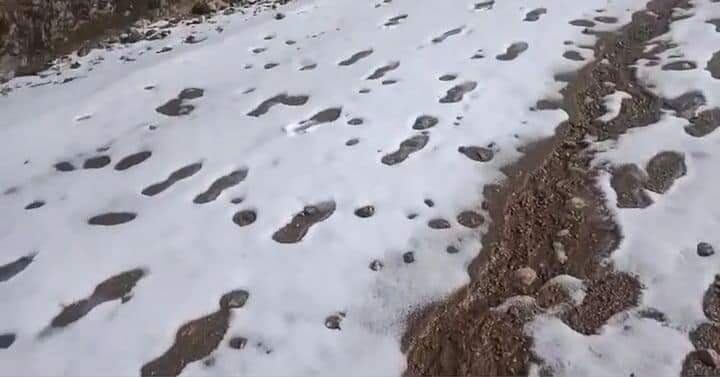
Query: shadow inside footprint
118, 287
356, 57
457, 92
221, 184
407, 147
112, 218
196, 339
380, 72
132, 160
283, 99
8, 271
180, 174
628, 182
447, 34
178, 106
301, 222
663, 170
680, 65
513, 51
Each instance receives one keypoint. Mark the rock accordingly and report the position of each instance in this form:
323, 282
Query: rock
708, 357
279, 16
704, 249
452, 249
130, 36
409, 257
526, 276
365, 212
234, 299
237, 342
560, 253
439, 224
332, 322
376, 265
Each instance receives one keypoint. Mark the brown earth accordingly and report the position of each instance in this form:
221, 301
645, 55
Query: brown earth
548, 219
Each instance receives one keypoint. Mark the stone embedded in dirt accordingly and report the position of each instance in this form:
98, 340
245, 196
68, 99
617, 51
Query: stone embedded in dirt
112, 218
356, 57
221, 184
457, 92
35, 204
439, 223
470, 219
407, 147
118, 287
705, 123
332, 322
447, 34
408, 257
704, 249
365, 212
6, 340
513, 51
96, 162
628, 182
234, 299
526, 276
478, 154
8, 271
132, 160
298, 227
376, 265
178, 175
535, 14
680, 65
244, 217
237, 342
64, 166
423, 122
663, 169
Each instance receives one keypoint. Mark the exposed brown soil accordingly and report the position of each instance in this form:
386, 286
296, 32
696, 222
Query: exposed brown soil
301, 223
547, 219
197, 339
118, 287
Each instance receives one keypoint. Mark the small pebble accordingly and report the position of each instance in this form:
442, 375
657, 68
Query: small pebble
704, 249
409, 257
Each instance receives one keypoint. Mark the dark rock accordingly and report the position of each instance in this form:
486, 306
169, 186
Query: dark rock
408, 257
235, 299
704, 249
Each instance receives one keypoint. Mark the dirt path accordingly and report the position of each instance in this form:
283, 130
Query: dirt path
548, 220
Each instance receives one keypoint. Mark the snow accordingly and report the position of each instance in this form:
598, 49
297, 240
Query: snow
194, 253
613, 103
659, 242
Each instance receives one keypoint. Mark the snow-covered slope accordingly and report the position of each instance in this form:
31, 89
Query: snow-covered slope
408, 106
668, 240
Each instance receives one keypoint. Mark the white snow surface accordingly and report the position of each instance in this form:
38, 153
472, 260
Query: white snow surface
194, 253
659, 242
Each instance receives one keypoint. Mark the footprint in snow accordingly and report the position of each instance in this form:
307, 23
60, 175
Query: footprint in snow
513, 51
112, 218
356, 57
394, 21
132, 160
178, 106
406, 148
582, 23
441, 38
484, 5
680, 65
280, 99
197, 339
535, 14
301, 223
178, 175
325, 116
221, 184
457, 92
9, 270
380, 72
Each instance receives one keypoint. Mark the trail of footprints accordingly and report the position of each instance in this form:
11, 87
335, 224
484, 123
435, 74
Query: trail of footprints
197, 339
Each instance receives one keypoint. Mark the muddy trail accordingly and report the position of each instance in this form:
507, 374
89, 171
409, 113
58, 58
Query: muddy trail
549, 225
